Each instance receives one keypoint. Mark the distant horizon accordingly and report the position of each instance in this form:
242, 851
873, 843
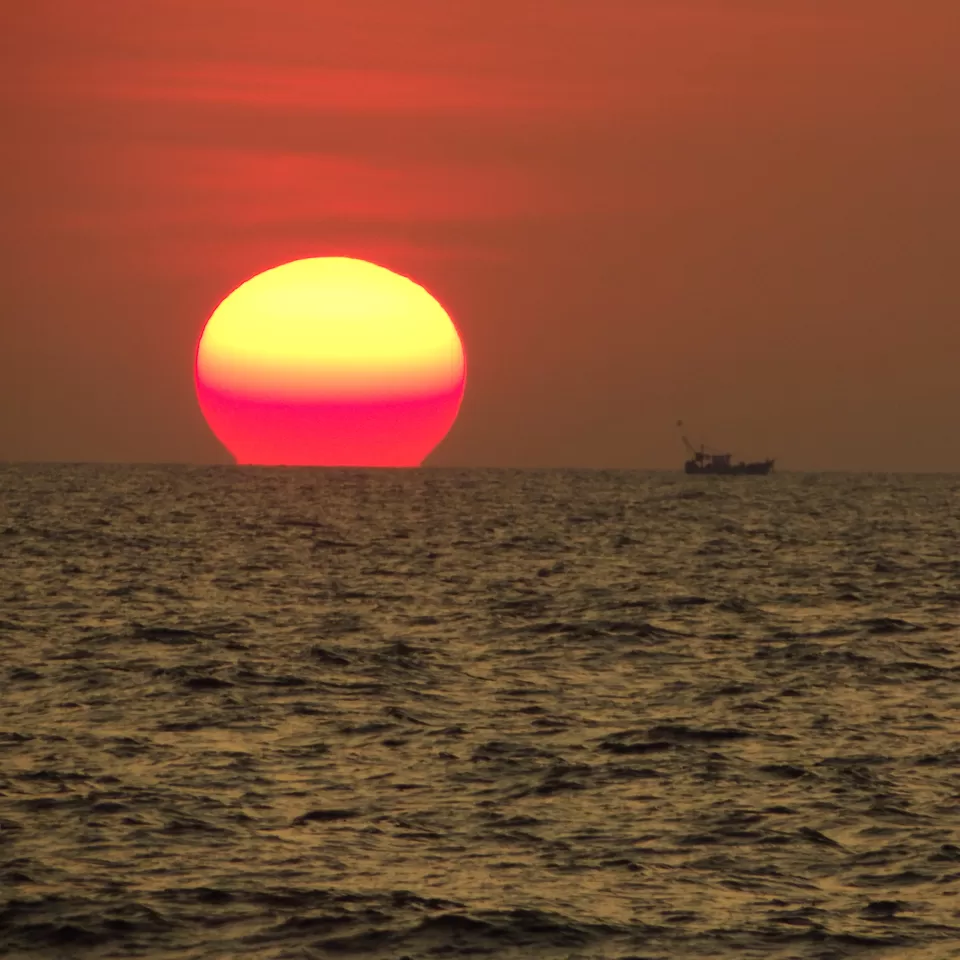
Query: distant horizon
449, 467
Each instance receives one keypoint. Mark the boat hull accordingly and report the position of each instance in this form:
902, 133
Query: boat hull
759, 469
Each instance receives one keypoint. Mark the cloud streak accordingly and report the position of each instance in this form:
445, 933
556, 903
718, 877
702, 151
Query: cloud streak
158, 186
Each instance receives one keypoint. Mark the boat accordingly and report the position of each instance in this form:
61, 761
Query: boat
703, 463
721, 464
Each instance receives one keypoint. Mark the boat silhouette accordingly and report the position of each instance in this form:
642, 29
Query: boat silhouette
706, 463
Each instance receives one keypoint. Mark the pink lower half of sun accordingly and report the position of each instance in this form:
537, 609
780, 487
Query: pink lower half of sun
381, 432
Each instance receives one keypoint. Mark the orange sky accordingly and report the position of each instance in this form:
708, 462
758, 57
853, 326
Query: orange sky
736, 212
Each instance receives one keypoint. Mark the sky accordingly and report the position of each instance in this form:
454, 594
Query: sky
738, 213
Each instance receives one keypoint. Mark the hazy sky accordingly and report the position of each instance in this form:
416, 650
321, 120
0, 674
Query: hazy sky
742, 213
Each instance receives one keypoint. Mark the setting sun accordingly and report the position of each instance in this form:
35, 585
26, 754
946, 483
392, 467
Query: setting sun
330, 361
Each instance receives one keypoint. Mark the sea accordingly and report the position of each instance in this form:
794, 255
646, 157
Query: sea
286, 714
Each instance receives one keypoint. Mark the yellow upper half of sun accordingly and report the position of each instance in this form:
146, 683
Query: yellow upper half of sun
330, 327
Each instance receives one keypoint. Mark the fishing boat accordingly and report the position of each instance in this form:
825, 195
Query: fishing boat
704, 463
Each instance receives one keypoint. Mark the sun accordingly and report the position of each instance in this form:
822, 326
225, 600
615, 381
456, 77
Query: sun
330, 361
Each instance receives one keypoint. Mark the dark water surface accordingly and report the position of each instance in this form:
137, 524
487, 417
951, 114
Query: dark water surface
304, 714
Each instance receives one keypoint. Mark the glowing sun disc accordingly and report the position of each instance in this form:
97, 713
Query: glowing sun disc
330, 361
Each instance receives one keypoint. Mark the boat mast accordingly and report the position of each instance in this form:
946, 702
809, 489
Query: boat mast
690, 447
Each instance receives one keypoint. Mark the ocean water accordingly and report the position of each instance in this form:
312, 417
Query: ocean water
305, 714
